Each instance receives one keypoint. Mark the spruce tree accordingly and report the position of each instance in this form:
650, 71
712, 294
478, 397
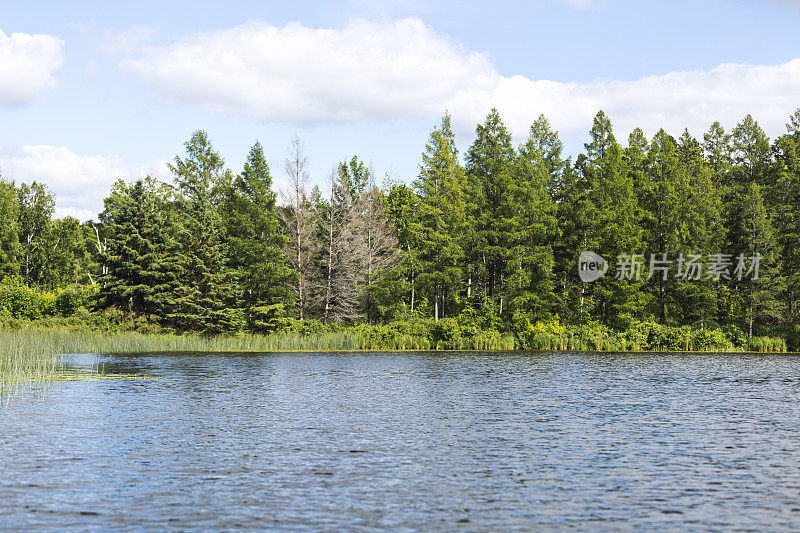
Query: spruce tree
254, 242
532, 225
206, 297
141, 256
441, 218
786, 211
489, 162
702, 232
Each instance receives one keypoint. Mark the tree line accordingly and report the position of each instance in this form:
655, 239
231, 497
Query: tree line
496, 233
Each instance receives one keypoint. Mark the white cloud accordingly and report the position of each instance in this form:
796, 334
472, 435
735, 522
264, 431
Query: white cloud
403, 68
78, 182
293, 73
673, 101
27, 64
582, 4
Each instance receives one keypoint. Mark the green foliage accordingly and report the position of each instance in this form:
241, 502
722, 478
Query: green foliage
253, 242
479, 248
642, 336
206, 294
23, 302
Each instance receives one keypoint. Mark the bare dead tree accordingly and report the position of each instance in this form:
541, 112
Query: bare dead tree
381, 251
343, 252
298, 217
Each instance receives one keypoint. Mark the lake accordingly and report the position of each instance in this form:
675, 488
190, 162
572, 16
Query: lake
408, 441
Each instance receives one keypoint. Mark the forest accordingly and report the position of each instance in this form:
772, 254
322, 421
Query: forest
479, 250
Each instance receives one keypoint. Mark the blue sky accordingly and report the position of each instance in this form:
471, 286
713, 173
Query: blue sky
95, 91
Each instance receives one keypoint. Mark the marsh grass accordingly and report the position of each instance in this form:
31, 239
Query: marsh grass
33, 356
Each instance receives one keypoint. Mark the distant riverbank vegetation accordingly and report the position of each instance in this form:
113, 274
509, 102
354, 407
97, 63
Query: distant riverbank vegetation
474, 252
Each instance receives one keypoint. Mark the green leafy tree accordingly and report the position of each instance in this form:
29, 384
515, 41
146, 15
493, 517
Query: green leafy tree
36, 205
10, 246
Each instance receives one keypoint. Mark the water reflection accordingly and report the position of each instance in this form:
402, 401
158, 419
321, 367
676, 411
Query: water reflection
416, 441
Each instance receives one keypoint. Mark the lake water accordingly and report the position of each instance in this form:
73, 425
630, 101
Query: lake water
409, 441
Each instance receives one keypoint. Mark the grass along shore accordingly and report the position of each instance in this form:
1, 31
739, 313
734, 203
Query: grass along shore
32, 354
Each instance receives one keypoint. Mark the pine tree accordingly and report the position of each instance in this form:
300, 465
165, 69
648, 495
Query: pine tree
441, 218
615, 227
532, 225
141, 255
402, 209
702, 232
489, 163
254, 242
786, 211
206, 296
662, 197
753, 235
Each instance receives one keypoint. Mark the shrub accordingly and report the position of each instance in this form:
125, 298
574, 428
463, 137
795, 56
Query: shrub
767, 344
24, 302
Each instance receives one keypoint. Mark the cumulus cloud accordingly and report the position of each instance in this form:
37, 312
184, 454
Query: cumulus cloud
404, 69
367, 70
673, 101
27, 65
78, 182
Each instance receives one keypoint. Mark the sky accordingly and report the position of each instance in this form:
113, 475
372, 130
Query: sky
95, 91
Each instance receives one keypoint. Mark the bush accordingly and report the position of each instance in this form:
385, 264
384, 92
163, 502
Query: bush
767, 344
706, 340
735, 335
68, 300
23, 302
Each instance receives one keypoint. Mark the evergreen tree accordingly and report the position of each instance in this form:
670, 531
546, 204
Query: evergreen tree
402, 209
532, 224
141, 256
441, 218
254, 242
702, 232
663, 195
786, 211
206, 296
615, 228
489, 163
752, 236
